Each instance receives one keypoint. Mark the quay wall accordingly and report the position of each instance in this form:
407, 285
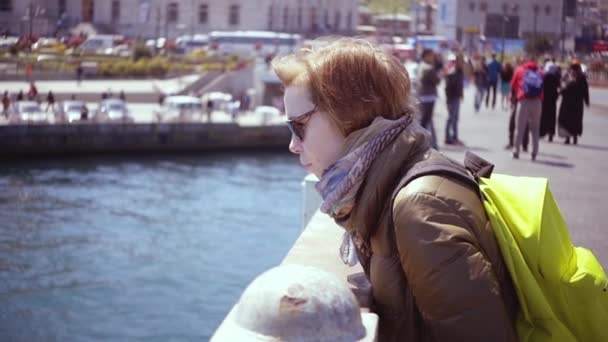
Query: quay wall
116, 138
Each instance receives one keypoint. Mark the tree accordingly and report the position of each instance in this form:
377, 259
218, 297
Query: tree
538, 45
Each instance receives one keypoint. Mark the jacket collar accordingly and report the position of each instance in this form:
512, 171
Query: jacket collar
411, 146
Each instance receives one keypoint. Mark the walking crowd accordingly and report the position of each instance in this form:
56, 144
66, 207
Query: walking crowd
530, 92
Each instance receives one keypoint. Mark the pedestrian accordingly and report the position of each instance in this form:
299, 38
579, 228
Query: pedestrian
79, 73
122, 96
19, 96
454, 90
427, 92
480, 73
32, 93
528, 83
551, 85
6, 104
575, 95
29, 72
433, 262
209, 109
84, 112
506, 75
50, 102
513, 109
161, 99
494, 70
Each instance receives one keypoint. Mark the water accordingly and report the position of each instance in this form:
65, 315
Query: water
138, 249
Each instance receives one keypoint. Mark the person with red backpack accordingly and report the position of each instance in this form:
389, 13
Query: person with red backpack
527, 83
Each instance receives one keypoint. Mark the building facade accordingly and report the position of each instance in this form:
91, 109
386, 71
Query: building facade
466, 21
172, 18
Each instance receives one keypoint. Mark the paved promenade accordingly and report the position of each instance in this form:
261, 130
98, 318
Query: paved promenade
167, 86
578, 174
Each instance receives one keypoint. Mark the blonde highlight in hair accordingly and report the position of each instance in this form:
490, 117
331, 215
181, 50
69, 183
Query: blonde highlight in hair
351, 80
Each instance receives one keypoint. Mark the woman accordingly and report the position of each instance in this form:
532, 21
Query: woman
575, 93
506, 75
438, 275
551, 83
481, 81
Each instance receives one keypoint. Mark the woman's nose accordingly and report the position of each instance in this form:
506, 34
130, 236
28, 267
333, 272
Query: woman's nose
295, 145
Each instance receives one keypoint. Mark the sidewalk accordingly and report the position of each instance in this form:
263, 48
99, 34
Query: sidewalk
155, 86
577, 173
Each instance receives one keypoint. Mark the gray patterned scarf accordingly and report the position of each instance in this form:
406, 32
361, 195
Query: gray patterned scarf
340, 182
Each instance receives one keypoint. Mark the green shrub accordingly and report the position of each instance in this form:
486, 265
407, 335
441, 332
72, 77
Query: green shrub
158, 68
140, 52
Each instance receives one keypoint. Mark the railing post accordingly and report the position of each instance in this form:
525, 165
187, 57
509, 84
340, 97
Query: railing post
311, 200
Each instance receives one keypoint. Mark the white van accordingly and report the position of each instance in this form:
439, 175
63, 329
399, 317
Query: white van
180, 108
99, 44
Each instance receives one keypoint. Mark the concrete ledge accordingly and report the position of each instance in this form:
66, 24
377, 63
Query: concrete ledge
116, 138
318, 246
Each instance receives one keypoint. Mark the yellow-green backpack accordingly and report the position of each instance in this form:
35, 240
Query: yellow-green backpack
562, 289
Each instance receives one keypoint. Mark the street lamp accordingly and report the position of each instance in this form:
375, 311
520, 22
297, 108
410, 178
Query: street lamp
505, 20
536, 10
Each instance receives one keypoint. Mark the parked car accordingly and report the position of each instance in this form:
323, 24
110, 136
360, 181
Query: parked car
219, 100
70, 111
112, 110
29, 112
180, 108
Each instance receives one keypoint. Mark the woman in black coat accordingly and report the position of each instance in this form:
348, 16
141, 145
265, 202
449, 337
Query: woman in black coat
575, 93
551, 85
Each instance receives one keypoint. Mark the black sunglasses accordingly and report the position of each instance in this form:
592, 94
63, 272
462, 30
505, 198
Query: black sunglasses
297, 124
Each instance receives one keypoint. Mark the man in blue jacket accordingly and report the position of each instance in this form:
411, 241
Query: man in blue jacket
494, 70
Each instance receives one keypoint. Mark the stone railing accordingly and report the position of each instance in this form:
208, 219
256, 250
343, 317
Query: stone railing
318, 246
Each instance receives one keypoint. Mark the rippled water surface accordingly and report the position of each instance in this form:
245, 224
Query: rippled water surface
148, 249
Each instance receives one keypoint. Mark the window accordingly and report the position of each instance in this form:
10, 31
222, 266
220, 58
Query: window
472, 6
270, 15
115, 11
172, 12
505, 7
515, 9
483, 6
203, 13
62, 6
314, 26
234, 15
548, 10
285, 17
337, 19
300, 17
6, 5
349, 20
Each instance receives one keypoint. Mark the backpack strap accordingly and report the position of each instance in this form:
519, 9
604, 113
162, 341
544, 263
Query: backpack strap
474, 167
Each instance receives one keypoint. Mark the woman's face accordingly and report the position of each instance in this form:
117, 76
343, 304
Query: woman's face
322, 144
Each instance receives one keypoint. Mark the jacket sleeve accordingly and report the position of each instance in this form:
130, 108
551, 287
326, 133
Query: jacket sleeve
515, 80
585, 91
454, 285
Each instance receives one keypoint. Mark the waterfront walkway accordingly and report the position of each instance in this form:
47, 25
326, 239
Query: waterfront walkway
577, 173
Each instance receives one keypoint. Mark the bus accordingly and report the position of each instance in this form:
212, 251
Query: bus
253, 43
187, 43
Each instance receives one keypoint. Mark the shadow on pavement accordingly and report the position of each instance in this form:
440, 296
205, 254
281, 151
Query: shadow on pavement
592, 147
554, 163
550, 155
